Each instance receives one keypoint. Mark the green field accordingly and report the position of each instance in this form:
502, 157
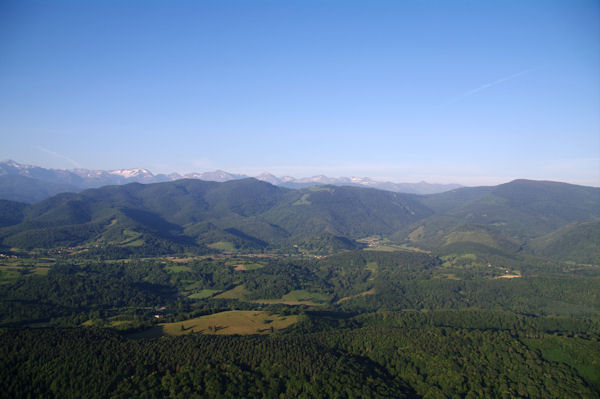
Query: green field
296, 297
234, 322
11, 273
177, 269
203, 294
385, 248
248, 266
131, 238
244, 265
222, 246
299, 297
372, 266
238, 292
365, 293
303, 201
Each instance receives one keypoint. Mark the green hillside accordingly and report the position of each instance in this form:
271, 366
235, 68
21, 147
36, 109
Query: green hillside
251, 215
578, 242
11, 212
504, 217
449, 200
240, 214
346, 211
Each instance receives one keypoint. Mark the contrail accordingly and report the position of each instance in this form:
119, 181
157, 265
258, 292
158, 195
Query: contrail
56, 154
491, 84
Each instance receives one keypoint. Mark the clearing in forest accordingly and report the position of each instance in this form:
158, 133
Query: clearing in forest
238, 292
365, 293
241, 322
298, 297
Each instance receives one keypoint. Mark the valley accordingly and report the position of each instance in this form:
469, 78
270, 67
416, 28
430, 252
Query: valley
299, 199
245, 289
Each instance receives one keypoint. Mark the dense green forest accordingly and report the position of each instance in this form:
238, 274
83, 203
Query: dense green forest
371, 324
381, 356
248, 290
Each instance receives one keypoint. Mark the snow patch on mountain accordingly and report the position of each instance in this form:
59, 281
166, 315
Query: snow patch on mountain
85, 178
130, 173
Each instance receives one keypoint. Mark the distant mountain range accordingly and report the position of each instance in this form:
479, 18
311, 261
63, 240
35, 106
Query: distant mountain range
28, 183
409, 188
539, 218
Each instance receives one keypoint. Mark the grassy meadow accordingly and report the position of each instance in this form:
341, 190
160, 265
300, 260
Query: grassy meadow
234, 322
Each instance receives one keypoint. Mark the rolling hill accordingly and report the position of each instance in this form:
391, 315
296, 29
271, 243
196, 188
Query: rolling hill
503, 217
248, 214
577, 242
244, 213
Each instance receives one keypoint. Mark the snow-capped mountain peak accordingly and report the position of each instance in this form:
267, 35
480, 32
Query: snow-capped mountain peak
13, 164
269, 178
130, 173
80, 179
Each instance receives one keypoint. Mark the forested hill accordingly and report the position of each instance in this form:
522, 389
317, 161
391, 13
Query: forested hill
250, 214
241, 213
504, 217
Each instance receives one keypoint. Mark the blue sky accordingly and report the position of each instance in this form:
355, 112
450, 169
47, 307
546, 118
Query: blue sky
474, 92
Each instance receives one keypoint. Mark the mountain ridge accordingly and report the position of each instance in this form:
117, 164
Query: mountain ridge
245, 212
75, 180
253, 215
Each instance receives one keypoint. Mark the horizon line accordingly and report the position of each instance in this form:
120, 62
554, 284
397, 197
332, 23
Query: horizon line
381, 180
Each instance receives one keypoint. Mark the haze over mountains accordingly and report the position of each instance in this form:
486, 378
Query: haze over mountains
28, 183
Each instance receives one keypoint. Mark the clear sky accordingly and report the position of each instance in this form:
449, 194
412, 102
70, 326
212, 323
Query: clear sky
473, 92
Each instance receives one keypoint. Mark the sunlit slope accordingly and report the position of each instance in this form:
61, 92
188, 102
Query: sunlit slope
503, 217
